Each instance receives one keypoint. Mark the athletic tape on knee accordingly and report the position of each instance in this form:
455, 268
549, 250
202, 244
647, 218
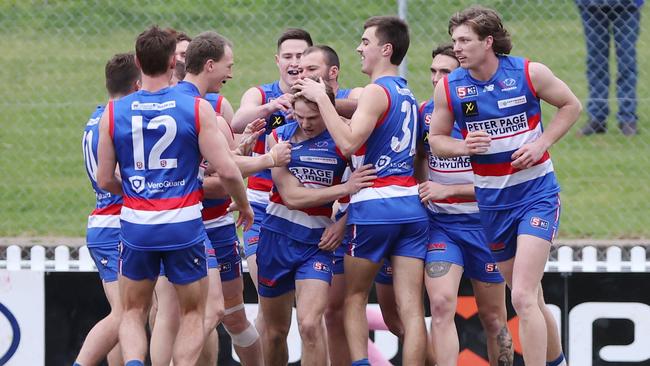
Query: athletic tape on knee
245, 338
233, 309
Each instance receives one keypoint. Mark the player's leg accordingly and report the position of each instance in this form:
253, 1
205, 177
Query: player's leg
138, 272
366, 252
407, 258
489, 291
243, 334
444, 266
442, 280
102, 338
167, 321
276, 279
187, 270
386, 299
491, 302
554, 354
311, 301
214, 313
251, 239
337, 342
313, 278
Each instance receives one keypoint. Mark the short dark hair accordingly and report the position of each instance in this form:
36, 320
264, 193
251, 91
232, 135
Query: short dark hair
485, 22
295, 33
446, 49
206, 46
330, 56
178, 35
328, 90
121, 74
154, 48
393, 30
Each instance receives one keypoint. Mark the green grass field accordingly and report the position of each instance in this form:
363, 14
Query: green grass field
52, 71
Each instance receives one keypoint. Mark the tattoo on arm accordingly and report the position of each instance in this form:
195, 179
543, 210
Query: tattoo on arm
437, 269
504, 341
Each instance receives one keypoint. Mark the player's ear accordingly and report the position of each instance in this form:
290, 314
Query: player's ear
333, 72
489, 41
387, 49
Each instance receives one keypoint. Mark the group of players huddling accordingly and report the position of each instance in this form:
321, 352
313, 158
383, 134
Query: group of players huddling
346, 187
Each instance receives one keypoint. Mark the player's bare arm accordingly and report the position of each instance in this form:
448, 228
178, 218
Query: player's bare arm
348, 137
106, 161
442, 122
251, 108
432, 191
554, 91
346, 107
227, 111
214, 148
296, 196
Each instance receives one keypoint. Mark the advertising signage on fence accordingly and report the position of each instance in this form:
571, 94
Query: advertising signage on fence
604, 320
22, 327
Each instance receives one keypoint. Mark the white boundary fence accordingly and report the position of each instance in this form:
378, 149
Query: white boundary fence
563, 259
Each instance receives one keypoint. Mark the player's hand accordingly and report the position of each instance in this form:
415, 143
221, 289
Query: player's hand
527, 155
477, 142
280, 153
361, 178
332, 236
246, 217
282, 103
249, 138
431, 191
309, 88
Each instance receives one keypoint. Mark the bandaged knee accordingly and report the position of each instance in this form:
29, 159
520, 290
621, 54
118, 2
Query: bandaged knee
245, 338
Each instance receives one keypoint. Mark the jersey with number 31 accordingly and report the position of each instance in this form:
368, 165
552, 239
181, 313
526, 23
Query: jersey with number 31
393, 198
156, 144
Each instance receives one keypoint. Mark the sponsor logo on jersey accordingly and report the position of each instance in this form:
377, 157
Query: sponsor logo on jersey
321, 143
466, 91
427, 119
93, 121
503, 126
539, 223
321, 267
458, 163
312, 175
438, 247
104, 261
253, 240
196, 261
162, 186
508, 84
318, 159
277, 120
511, 102
404, 91
137, 183
488, 88
491, 267
382, 162
102, 196
470, 109
495, 247
388, 270
137, 106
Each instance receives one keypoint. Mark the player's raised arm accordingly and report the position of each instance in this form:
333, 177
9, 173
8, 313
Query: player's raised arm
106, 161
252, 107
214, 148
373, 102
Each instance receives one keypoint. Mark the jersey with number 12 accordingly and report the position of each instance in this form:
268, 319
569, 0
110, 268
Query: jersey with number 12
393, 198
156, 143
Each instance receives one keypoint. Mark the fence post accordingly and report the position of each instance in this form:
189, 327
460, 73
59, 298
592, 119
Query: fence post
565, 259
589, 259
62, 258
614, 256
13, 258
85, 261
637, 259
37, 258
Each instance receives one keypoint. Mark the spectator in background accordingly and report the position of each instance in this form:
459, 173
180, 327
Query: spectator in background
622, 16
